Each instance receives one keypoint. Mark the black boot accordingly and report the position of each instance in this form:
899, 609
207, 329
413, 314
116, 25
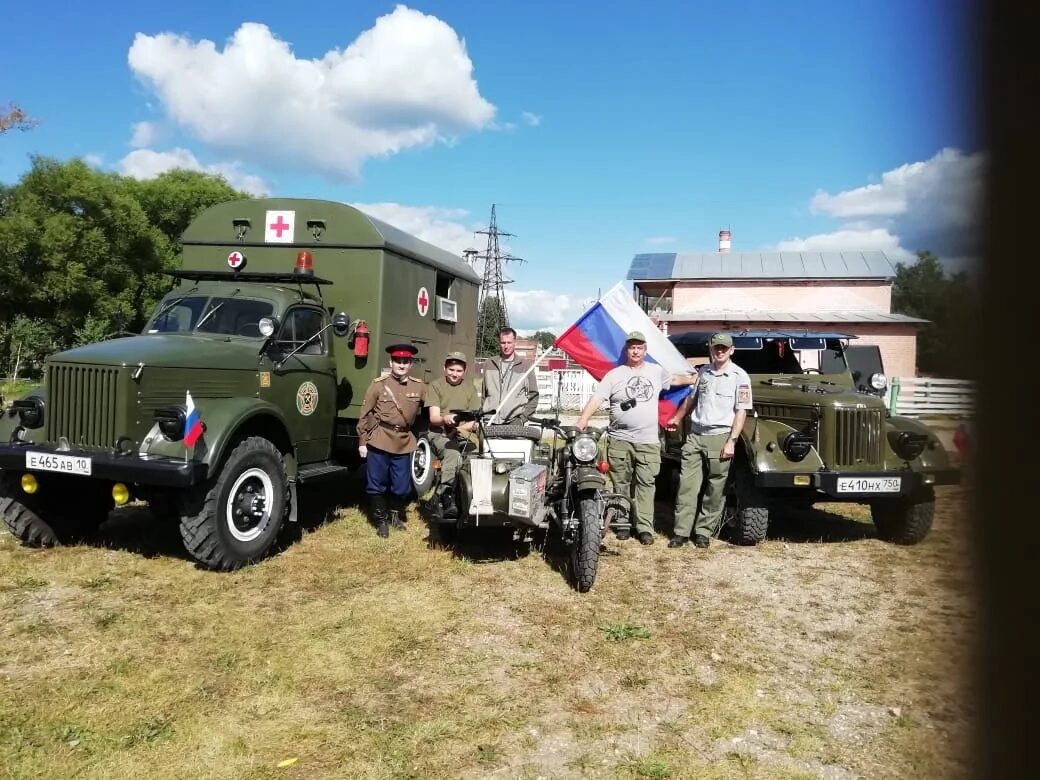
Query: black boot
397, 513
378, 506
448, 502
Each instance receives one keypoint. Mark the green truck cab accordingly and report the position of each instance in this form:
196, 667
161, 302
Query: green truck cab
274, 327
820, 431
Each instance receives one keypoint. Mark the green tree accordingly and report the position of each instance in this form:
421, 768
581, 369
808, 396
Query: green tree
923, 289
544, 338
82, 251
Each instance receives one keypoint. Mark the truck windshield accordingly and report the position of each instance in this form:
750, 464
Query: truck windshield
229, 316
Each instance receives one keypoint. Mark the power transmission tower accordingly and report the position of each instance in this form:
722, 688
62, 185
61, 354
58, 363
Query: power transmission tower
492, 315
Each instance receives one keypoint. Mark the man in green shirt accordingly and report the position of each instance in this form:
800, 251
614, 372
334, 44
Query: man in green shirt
449, 439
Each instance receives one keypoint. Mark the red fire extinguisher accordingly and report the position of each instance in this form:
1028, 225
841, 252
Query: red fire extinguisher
361, 339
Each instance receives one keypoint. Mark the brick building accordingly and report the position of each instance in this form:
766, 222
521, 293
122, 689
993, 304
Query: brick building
847, 292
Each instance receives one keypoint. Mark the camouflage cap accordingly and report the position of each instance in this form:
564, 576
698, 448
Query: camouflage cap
455, 357
635, 335
721, 338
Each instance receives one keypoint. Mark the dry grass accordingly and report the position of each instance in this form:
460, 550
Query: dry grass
822, 653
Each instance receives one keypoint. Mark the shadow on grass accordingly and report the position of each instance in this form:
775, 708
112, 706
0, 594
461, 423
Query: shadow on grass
137, 530
816, 525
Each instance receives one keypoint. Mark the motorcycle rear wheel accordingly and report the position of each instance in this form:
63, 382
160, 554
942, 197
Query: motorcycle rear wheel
584, 552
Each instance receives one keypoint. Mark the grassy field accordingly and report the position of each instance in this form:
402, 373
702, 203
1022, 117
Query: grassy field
821, 653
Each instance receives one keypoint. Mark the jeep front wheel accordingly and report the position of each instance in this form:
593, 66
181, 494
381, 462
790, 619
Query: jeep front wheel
235, 518
747, 509
904, 520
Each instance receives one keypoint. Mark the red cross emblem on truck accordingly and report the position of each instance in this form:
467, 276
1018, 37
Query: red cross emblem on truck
422, 302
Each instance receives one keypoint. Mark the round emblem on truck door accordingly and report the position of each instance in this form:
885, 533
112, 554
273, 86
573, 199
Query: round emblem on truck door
236, 260
422, 302
307, 399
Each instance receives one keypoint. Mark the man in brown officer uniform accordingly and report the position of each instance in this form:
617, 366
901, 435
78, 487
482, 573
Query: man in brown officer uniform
385, 438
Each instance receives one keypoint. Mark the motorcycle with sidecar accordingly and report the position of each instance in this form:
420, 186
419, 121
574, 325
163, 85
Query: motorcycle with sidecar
538, 478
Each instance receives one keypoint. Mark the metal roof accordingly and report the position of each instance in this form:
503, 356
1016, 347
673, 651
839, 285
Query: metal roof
742, 315
761, 265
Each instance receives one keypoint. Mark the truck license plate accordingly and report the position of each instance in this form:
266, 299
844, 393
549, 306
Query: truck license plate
63, 464
869, 484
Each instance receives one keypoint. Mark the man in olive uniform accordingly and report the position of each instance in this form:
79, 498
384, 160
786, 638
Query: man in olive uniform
449, 438
634, 446
385, 438
720, 405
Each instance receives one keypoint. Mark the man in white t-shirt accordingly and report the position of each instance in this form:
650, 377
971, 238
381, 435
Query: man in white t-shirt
634, 446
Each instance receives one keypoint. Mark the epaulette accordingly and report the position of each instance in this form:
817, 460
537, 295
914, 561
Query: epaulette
415, 379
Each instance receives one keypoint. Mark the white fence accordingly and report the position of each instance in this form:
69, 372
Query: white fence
917, 396
573, 387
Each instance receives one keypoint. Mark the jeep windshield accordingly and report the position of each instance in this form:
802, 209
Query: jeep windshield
771, 352
218, 315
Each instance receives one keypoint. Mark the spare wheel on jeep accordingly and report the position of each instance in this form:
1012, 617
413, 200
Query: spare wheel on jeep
234, 518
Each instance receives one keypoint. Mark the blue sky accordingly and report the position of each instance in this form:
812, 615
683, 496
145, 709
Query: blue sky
601, 130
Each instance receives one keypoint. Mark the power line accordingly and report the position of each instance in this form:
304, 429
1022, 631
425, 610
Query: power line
494, 281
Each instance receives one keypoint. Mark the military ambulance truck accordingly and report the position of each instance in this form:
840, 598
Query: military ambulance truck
245, 384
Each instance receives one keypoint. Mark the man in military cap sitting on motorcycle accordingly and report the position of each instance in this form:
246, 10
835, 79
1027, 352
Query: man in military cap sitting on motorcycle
448, 437
385, 438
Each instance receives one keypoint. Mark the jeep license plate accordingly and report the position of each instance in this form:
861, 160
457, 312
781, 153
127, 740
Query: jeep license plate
869, 484
63, 464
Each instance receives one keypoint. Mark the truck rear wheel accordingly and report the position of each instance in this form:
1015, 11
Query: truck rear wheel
584, 552
905, 520
235, 518
60, 515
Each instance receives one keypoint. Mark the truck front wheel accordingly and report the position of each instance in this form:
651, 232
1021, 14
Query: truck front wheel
904, 520
56, 515
235, 518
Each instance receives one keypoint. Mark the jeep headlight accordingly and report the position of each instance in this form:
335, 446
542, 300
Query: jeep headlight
878, 381
30, 412
171, 421
584, 449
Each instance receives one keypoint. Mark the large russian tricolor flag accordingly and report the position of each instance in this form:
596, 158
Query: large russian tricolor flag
192, 423
596, 342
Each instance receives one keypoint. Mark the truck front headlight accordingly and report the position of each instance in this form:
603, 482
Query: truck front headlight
30, 412
878, 381
171, 421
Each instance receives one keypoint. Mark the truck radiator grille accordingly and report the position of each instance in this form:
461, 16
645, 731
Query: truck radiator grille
81, 405
858, 438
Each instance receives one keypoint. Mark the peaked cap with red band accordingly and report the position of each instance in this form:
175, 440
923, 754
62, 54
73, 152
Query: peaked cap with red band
402, 350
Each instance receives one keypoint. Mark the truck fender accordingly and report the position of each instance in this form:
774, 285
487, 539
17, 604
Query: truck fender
934, 456
762, 441
225, 417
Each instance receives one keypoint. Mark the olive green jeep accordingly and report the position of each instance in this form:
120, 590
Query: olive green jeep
820, 431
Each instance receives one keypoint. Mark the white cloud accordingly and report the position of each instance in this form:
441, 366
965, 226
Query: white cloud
144, 134
148, 163
405, 82
430, 223
934, 204
530, 119
94, 160
531, 310
658, 240
849, 239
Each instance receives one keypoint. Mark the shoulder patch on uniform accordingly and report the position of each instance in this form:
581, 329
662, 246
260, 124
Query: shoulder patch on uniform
743, 394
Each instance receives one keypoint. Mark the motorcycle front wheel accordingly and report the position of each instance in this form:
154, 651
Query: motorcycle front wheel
584, 552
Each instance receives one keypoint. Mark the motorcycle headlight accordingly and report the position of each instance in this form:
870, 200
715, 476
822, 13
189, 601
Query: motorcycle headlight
584, 449
878, 381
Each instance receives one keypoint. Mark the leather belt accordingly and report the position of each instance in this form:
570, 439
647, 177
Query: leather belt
390, 426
